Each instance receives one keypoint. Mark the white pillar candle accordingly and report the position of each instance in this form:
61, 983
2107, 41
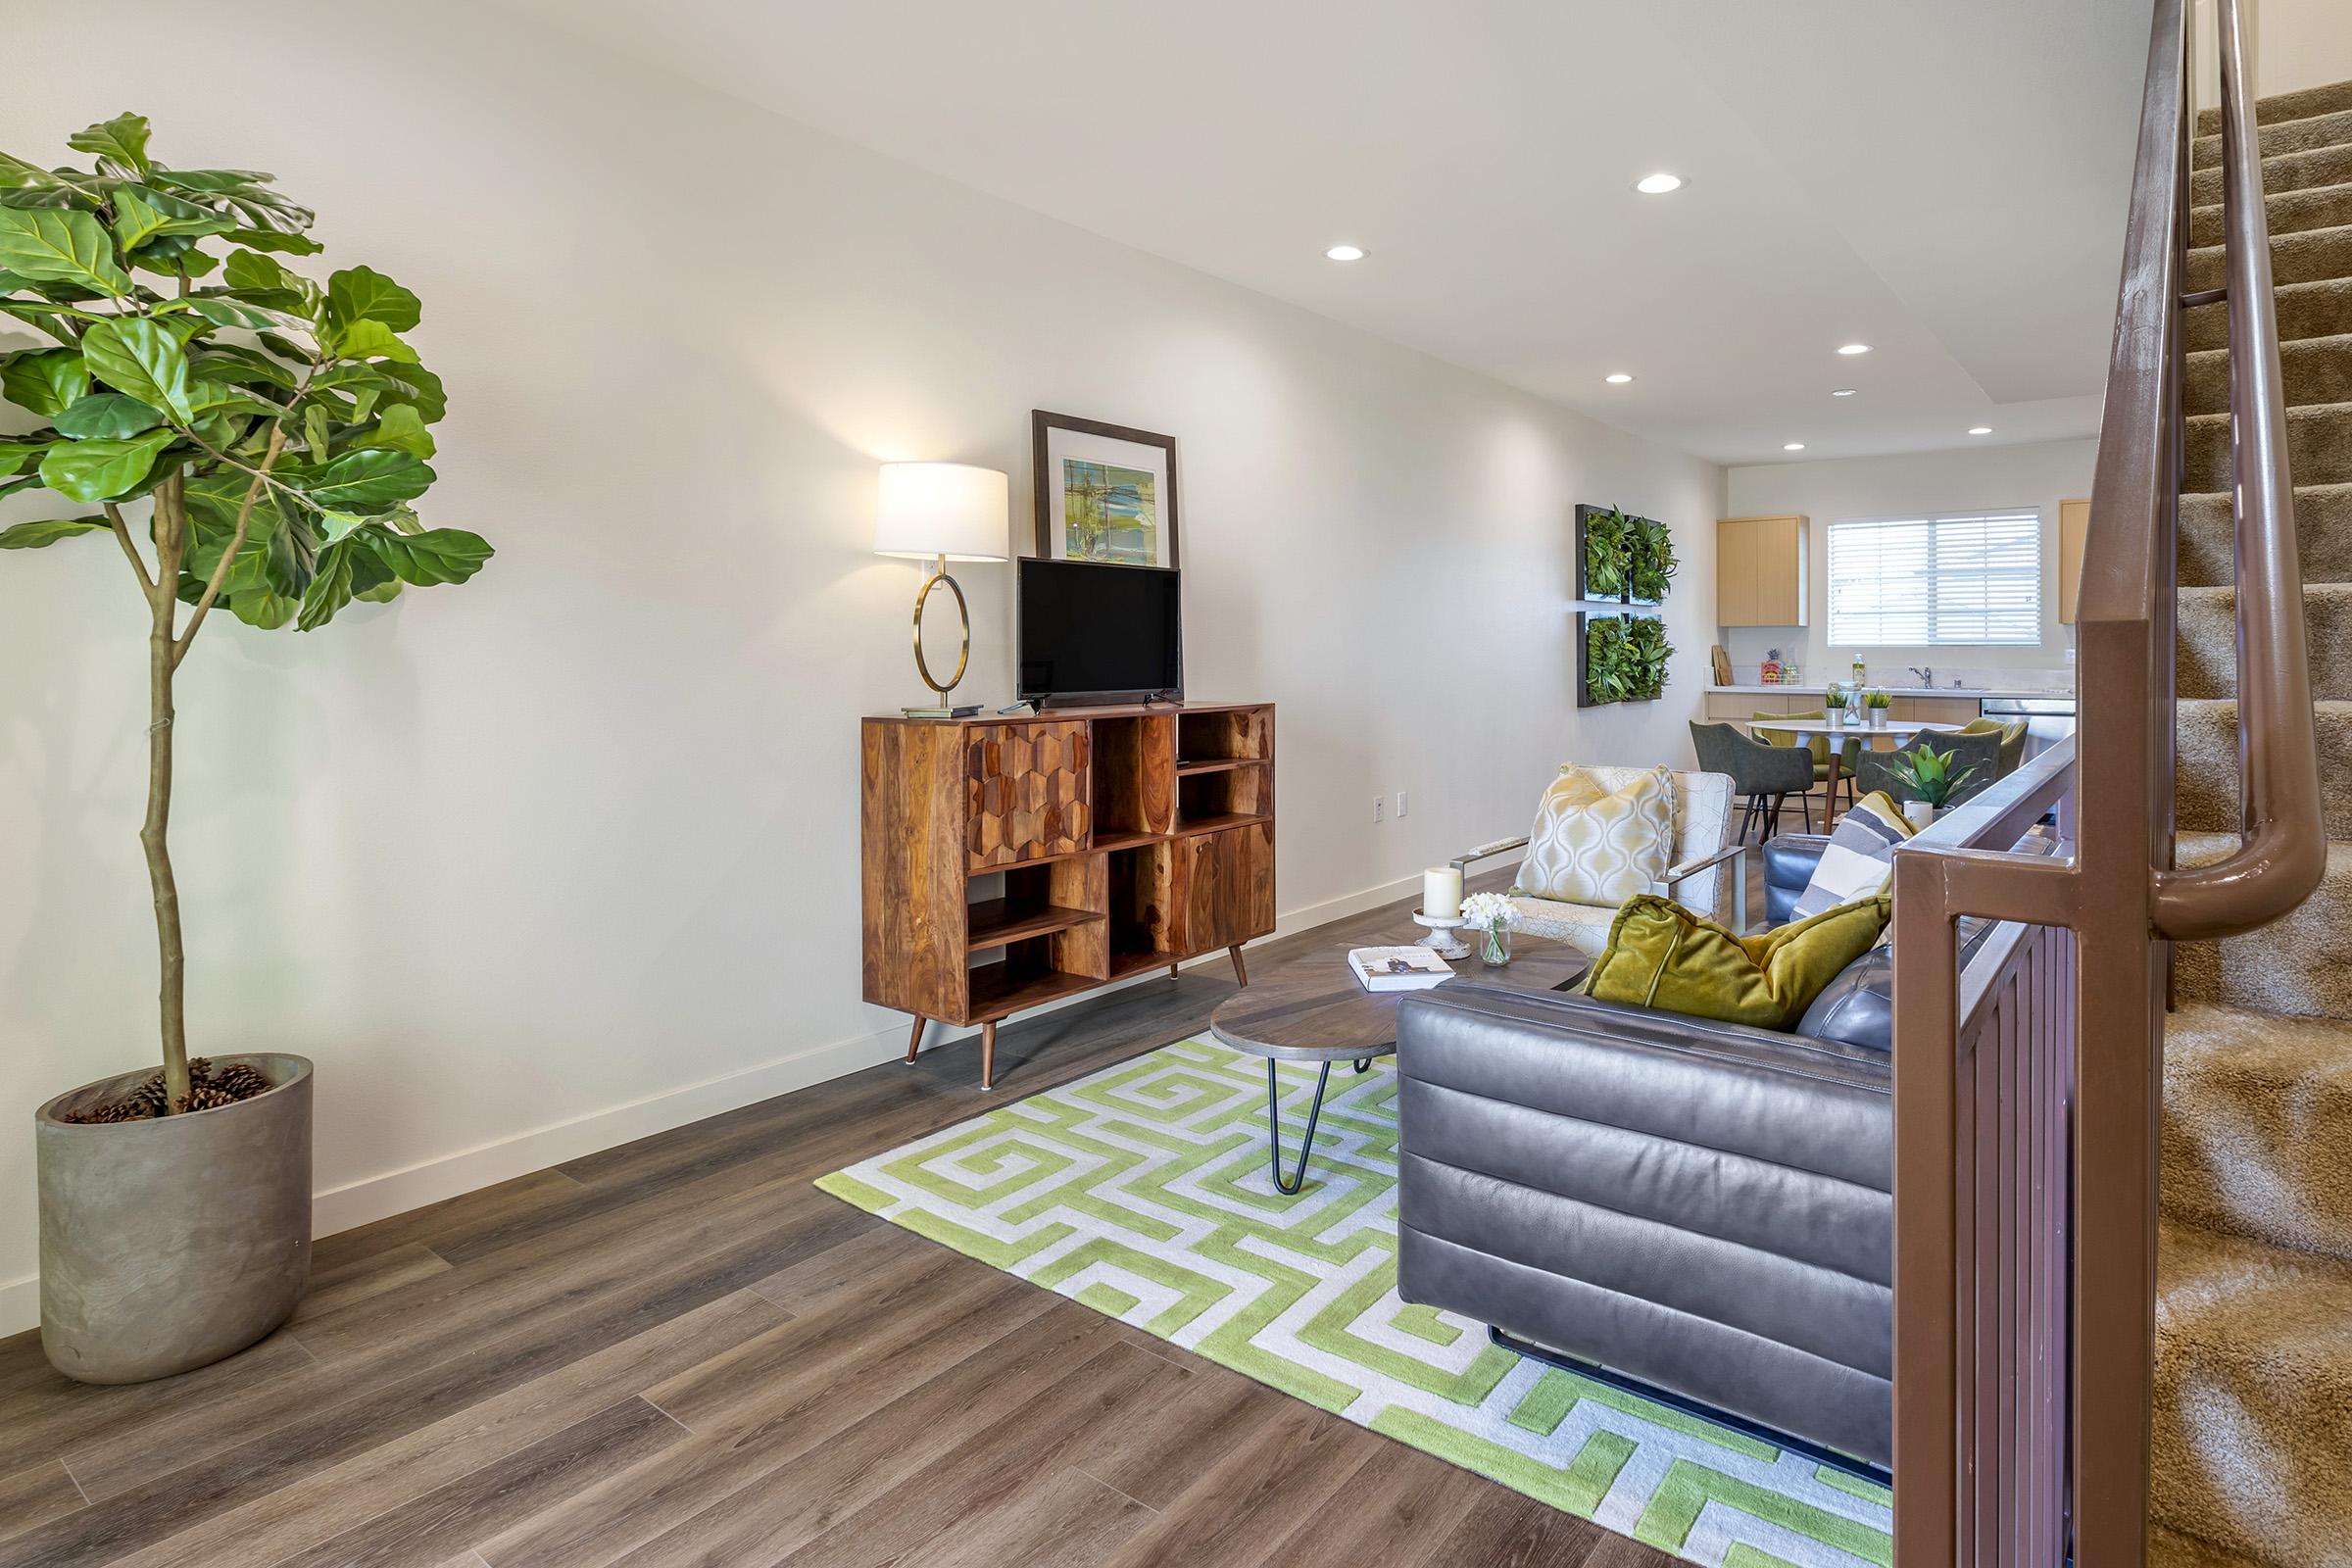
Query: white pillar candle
1442, 891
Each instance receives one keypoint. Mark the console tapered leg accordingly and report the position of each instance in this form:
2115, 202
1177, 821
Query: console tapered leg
914, 1037
1240, 974
988, 1054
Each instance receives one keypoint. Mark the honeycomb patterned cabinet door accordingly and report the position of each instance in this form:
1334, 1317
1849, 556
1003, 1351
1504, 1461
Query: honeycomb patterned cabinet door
1027, 790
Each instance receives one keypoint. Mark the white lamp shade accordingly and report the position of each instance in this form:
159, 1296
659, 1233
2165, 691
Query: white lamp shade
943, 508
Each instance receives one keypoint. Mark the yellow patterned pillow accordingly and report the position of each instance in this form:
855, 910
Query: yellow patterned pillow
1591, 845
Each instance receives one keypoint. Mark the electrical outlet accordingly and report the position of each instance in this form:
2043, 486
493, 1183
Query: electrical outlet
1380, 805
1404, 804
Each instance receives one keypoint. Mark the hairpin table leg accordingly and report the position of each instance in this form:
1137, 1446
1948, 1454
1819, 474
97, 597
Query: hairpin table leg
1314, 1114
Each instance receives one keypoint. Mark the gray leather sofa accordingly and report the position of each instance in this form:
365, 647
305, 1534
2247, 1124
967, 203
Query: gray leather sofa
1700, 1208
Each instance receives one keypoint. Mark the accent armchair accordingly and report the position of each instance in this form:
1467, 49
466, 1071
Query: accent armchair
1708, 875
1767, 775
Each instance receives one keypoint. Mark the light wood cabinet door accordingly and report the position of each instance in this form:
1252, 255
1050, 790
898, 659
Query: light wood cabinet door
2073, 523
1760, 572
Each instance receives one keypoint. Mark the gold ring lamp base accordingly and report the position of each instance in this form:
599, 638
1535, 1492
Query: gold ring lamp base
942, 709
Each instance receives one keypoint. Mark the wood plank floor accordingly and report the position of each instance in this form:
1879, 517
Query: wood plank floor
679, 1352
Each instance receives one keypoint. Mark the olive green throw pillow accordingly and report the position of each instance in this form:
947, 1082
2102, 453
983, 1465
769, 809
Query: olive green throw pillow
1662, 956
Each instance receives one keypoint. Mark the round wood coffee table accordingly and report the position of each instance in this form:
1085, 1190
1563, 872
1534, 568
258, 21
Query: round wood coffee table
1312, 1009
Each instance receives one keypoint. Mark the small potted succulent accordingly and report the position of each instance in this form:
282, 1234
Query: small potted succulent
1487, 918
1878, 702
1926, 776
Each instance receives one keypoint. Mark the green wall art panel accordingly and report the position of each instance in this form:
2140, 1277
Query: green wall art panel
1621, 557
1620, 658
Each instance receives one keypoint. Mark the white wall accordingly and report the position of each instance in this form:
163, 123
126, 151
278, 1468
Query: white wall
2040, 475
569, 854
2303, 43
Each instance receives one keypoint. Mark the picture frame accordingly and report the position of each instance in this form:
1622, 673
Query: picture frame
1104, 491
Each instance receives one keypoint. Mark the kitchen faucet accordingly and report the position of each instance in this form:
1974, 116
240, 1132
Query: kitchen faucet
1926, 676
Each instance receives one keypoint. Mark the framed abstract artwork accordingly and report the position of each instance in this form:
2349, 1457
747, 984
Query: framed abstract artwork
1104, 492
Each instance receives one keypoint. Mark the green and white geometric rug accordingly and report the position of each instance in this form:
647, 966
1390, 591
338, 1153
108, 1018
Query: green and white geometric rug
1142, 1192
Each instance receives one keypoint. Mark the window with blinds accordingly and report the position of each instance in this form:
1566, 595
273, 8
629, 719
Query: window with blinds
1913, 582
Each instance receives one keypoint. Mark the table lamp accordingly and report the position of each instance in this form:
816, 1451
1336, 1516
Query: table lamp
941, 511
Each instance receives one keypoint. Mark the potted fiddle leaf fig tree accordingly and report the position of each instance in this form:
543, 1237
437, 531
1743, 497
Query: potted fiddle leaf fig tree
249, 440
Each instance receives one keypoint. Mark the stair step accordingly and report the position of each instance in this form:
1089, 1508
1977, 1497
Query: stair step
2294, 966
2322, 307
2206, 787
2170, 1549
2258, 1127
2283, 137
2308, 258
2322, 166
2323, 530
2319, 447
2317, 369
2288, 212
2253, 1396
2281, 107
2208, 640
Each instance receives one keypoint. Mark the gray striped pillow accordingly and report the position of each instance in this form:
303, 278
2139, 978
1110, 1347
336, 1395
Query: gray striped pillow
1860, 858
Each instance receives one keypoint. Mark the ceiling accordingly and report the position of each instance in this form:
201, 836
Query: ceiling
1943, 181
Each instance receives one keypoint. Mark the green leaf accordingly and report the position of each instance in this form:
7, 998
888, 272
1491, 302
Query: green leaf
313, 432
42, 535
108, 417
363, 294
383, 593
17, 174
123, 140
435, 556
17, 456
64, 247
103, 470
212, 180
400, 429
143, 357
263, 607
265, 239
234, 362
364, 481
418, 388
45, 381
223, 312
141, 213
330, 590
370, 340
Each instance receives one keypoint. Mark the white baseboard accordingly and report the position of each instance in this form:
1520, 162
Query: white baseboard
374, 1197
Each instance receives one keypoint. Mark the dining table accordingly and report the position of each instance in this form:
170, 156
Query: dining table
1897, 730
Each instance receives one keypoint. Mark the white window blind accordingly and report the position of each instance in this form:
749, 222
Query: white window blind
1913, 582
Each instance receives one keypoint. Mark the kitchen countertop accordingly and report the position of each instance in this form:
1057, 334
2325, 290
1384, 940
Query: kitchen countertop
1962, 693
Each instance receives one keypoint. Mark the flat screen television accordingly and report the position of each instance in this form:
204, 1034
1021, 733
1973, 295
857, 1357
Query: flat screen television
1092, 632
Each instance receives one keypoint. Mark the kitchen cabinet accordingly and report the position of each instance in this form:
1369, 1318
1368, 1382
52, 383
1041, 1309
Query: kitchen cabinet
1760, 572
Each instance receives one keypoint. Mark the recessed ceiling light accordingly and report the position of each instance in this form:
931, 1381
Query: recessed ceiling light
1855, 348
1792, 446
1844, 392
1981, 429
1345, 253
1618, 378
1658, 185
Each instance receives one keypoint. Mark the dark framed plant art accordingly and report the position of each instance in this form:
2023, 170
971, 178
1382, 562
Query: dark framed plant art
1620, 658
1621, 559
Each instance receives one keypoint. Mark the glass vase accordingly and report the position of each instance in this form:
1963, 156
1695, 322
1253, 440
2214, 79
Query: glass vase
1494, 946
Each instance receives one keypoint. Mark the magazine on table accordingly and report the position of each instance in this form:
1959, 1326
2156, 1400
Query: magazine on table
1397, 968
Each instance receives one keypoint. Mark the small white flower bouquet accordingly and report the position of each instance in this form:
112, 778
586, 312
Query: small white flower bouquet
1484, 912
1490, 915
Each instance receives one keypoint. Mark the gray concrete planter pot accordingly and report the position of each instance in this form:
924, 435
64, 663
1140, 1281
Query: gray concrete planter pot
170, 1244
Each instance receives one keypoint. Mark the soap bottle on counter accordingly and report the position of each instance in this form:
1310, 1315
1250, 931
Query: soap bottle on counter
1861, 673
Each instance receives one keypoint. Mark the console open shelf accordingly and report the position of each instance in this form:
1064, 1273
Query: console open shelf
1013, 863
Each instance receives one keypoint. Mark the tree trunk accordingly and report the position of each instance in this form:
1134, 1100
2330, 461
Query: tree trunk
170, 532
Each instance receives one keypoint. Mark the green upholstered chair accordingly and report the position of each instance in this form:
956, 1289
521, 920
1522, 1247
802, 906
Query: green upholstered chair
1848, 749
2013, 739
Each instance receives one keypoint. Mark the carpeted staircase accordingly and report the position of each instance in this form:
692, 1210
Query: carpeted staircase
2253, 1453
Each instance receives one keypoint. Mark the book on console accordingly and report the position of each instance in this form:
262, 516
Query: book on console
1397, 968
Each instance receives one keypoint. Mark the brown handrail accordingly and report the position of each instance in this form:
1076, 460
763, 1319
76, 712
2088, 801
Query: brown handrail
2283, 852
